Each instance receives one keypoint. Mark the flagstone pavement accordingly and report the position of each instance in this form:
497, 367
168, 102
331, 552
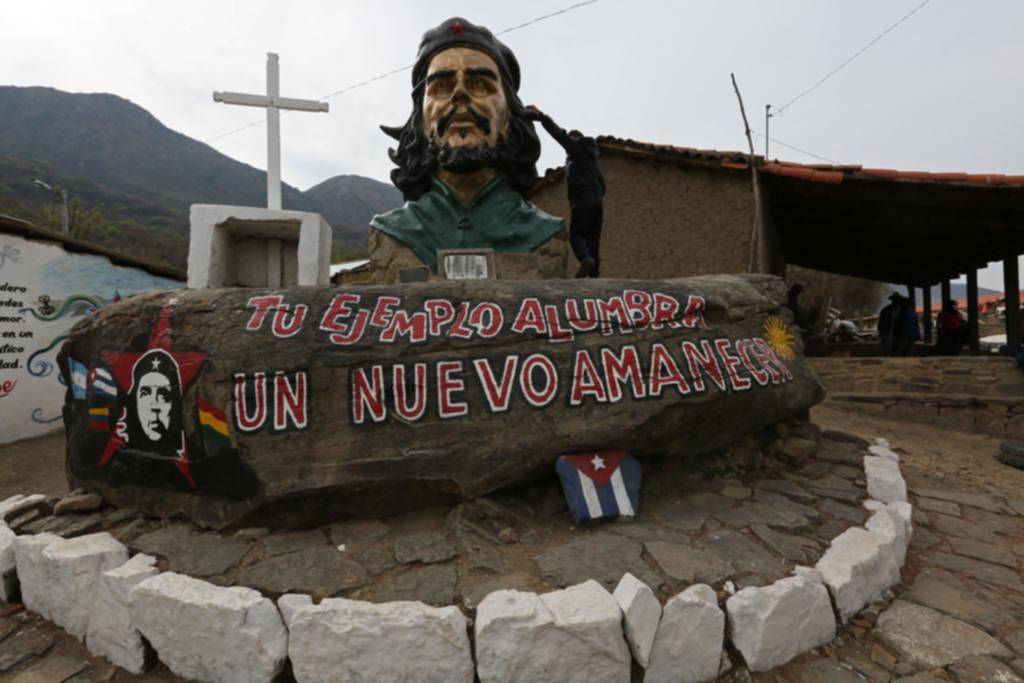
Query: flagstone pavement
958, 614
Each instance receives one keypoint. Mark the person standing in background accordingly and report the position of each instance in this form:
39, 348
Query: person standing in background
887, 322
907, 328
586, 192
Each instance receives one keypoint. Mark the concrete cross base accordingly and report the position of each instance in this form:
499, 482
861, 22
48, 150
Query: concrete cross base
244, 246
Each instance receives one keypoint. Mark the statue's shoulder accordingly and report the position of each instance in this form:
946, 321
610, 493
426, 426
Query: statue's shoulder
415, 215
540, 225
401, 217
542, 217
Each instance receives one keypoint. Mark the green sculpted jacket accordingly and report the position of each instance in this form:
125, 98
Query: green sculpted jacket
498, 218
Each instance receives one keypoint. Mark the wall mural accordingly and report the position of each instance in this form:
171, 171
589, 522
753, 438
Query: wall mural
44, 291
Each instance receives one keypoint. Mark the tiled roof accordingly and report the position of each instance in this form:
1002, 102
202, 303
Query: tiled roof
671, 151
731, 160
985, 302
829, 173
822, 173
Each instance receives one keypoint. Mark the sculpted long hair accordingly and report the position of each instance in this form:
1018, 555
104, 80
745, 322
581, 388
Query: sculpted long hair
417, 155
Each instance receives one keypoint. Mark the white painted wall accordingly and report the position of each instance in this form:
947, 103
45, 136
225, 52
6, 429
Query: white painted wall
31, 395
243, 246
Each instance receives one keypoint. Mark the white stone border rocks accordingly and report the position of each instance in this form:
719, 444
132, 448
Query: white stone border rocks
582, 633
111, 632
773, 624
210, 633
352, 640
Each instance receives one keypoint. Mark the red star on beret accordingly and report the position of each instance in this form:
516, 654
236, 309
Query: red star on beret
458, 29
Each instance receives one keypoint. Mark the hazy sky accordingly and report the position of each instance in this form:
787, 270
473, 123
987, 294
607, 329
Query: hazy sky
941, 92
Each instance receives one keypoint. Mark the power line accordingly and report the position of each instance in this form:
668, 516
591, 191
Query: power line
399, 70
237, 130
499, 33
795, 149
545, 16
856, 54
367, 81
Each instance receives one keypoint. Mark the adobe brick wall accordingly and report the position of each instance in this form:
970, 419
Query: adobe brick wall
664, 220
972, 393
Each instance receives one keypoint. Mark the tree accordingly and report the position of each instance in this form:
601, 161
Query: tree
80, 219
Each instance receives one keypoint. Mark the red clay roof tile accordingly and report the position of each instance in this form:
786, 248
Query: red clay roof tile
823, 173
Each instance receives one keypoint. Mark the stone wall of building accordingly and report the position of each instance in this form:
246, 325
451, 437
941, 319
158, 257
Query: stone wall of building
666, 220
973, 393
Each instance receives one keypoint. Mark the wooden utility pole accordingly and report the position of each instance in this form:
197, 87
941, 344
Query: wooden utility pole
757, 230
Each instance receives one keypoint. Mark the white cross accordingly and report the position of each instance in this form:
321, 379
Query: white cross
273, 103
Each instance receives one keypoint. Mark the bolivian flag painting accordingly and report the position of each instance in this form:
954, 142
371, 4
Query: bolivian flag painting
213, 427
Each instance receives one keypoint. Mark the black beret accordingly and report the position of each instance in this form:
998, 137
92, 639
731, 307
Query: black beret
459, 32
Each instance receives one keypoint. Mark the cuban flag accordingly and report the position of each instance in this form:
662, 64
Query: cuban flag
79, 378
600, 485
101, 383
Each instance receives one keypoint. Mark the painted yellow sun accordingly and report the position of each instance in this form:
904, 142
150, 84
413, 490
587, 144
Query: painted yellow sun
778, 336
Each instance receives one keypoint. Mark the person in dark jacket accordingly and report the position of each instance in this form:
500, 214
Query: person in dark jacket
952, 330
906, 328
887, 321
586, 193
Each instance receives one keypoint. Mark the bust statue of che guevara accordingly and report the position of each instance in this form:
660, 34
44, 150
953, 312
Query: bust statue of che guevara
465, 156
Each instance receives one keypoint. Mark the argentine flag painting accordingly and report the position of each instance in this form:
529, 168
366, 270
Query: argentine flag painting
79, 378
600, 485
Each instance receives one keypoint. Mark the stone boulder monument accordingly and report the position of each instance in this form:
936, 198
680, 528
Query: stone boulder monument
375, 398
234, 400
465, 156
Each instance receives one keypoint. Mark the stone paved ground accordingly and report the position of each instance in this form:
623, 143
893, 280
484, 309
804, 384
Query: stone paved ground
962, 596
962, 592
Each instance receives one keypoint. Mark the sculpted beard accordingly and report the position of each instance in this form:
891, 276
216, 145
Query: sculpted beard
469, 159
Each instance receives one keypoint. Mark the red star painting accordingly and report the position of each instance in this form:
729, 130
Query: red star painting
153, 381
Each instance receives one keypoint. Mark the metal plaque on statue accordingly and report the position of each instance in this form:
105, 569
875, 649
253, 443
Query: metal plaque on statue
466, 264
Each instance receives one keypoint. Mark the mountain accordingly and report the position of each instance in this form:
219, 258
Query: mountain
118, 158
116, 143
20, 196
149, 238
957, 290
348, 202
